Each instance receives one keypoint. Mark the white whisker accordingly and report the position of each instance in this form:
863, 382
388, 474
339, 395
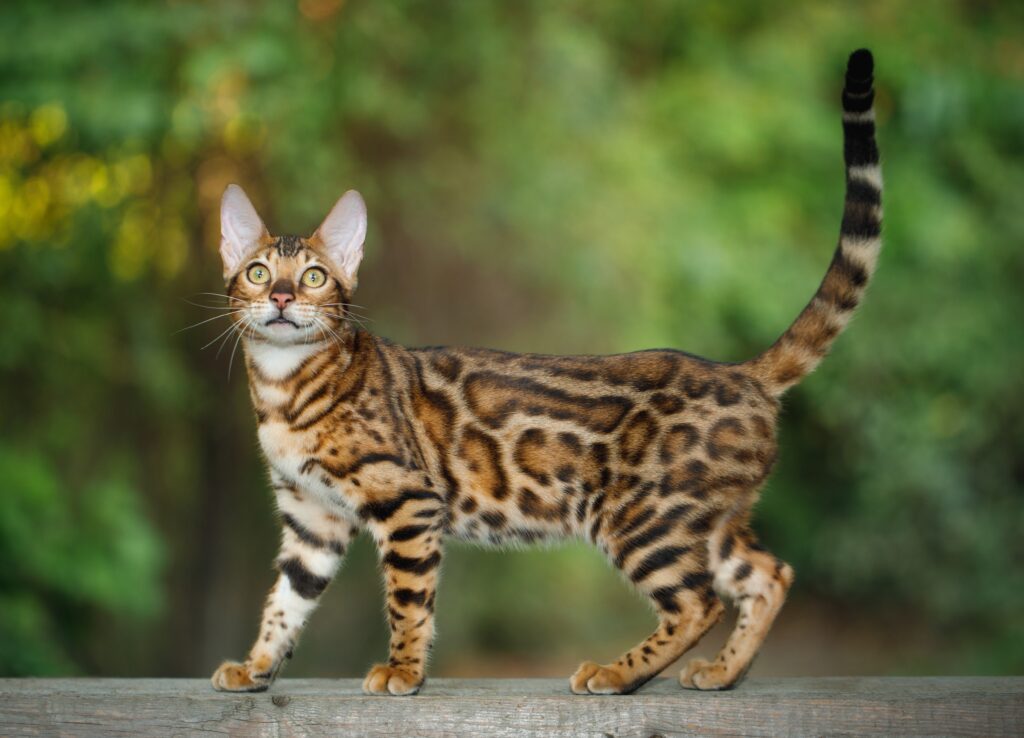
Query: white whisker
202, 322
241, 333
220, 295
337, 338
347, 308
240, 326
211, 307
218, 336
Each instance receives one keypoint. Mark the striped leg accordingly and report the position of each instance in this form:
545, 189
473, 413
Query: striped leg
757, 582
409, 541
684, 617
311, 550
659, 561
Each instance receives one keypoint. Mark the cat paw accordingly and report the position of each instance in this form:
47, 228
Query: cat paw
591, 678
235, 677
703, 674
395, 680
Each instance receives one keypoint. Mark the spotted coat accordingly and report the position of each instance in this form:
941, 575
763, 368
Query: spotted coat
655, 457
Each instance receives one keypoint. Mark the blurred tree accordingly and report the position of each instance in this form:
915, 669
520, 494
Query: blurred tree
562, 177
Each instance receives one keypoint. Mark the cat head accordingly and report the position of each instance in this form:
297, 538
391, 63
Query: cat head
290, 290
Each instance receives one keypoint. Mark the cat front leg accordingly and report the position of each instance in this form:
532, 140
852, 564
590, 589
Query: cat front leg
313, 543
408, 531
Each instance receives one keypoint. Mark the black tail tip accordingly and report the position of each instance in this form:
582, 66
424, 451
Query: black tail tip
860, 67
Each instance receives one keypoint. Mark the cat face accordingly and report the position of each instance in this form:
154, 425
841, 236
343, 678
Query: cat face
290, 290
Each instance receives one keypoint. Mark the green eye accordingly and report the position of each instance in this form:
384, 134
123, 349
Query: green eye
314, 277
258, 274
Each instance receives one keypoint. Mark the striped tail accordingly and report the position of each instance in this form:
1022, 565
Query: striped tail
805, 343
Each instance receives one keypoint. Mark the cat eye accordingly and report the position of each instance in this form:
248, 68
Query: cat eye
258, 274
314, 277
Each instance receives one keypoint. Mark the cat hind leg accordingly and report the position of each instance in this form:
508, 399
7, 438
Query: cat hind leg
675, 578
756, 582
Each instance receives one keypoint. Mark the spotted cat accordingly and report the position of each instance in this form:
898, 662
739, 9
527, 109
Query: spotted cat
656, 457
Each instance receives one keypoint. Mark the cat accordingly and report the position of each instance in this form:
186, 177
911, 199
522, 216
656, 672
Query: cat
656, 456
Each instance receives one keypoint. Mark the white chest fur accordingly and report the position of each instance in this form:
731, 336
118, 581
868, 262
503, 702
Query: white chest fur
280, 362
275, 363
285, 450
289, 453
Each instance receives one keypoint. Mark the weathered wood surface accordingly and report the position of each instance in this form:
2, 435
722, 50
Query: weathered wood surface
946, 706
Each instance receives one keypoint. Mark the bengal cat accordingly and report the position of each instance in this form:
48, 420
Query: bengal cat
656, 457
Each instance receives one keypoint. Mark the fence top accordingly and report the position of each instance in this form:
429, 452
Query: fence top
991, 706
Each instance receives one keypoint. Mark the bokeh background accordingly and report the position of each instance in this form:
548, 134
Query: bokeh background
577, 176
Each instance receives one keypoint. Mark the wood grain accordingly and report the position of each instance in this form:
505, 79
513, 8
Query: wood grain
947, 706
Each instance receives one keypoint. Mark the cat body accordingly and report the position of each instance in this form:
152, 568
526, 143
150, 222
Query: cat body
656, 457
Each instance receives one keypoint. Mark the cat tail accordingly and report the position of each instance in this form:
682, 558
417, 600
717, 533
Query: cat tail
799, 350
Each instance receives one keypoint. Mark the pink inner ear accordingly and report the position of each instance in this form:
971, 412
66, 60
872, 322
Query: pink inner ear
240, 226
230, 255
343, 232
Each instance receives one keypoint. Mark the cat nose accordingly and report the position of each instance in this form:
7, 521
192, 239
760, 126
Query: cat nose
281, 299
282, 293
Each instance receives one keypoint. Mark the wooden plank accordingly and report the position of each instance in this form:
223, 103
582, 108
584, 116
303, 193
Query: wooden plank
947, 706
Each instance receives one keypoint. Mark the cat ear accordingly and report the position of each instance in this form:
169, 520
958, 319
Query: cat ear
342, 233
241, 229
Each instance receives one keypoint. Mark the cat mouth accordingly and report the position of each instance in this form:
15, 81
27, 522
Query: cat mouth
281, 320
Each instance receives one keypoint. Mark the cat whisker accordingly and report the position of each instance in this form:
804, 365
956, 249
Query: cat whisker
219, 335
335, 337
248, 323
356, 321
203, 322
346, 308
323, 329
315, 323
218, 294
347, 305
239, 327
354, 318
211, 307
318, 324
344, 304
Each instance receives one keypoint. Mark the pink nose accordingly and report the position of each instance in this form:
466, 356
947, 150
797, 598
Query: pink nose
281, 299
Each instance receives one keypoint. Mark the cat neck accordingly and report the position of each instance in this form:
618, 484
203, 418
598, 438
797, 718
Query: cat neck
276, 362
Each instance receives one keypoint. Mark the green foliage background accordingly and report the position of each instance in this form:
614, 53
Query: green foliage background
567, 177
